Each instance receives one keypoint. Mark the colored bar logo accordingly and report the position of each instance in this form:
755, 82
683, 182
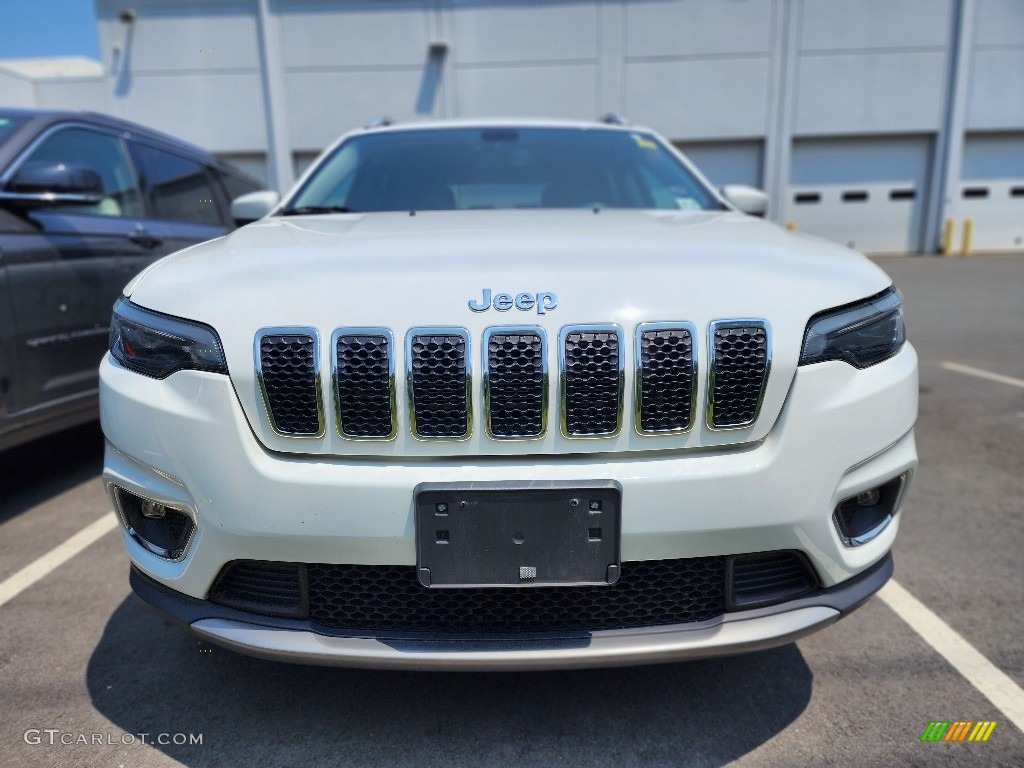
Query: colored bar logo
958, 730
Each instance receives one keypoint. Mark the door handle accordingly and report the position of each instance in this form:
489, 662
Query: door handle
144, 238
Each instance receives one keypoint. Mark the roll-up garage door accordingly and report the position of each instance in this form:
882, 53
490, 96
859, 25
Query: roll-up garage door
867, 193
991, 191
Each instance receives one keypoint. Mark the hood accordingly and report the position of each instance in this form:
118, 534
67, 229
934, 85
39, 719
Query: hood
400, 270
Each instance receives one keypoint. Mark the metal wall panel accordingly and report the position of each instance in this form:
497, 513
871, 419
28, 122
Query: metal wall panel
354, 34
871, 93
539, 91
488, 32
846, 25
698, 28
685, 99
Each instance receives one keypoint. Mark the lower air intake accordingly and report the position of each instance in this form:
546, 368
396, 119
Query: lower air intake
766, 578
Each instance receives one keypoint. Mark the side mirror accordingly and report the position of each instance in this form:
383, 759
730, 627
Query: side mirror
746, 199
252, 206
54, 183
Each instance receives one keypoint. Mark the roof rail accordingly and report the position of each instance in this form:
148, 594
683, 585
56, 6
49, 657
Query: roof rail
614, 118
381, 121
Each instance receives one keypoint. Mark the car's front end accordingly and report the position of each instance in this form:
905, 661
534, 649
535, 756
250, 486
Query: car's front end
509, 439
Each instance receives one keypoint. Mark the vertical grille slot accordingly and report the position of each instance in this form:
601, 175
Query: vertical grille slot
515, 382
439, 383
740, 360
288, 370
591, 368
666, 369
364, 376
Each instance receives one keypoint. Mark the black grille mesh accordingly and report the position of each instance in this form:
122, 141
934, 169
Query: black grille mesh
740, 370
770, 577
364, 385
666, 379
515, 368
439, 385
383, 597
591, 382
288, 365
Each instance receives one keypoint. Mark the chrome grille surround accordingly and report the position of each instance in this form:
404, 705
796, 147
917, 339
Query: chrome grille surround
601, 389
266, 388
385, 335
411, 375
489, 386
690, 408
718, 379
617, 379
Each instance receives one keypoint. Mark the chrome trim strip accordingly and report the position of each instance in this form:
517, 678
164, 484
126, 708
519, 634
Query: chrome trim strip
338, 421
742, 631
638, 382
174, 556
735, 323
852, 542
439, 330
562, 334
296, 330
545, 378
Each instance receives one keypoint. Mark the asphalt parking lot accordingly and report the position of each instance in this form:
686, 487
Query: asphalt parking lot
83, 660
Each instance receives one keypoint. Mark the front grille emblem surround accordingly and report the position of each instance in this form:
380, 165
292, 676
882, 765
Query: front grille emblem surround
753, 340
606, 363
495, 410
686, 412
303, 354
350, 425
422, 392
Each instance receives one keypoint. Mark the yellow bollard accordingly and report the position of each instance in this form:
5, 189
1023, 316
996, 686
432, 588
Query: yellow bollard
965, 242
947, 237
791, 226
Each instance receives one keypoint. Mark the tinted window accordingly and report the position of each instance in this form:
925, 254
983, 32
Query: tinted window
502, 168
7, 126
176, 188
105, 155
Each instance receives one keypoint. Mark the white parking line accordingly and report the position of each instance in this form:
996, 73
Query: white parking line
979, 373
56, 557
996, 686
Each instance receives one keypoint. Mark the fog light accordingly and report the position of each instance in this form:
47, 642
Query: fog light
163, 529
858, 519
865, 499
153, 510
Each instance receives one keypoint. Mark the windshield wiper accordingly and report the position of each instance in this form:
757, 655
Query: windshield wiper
310, 210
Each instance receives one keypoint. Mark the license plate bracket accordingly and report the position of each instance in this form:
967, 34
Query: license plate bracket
518, 534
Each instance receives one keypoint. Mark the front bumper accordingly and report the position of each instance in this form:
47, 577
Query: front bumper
295, 641
185, 441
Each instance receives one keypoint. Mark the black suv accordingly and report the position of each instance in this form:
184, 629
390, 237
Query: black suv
86, 202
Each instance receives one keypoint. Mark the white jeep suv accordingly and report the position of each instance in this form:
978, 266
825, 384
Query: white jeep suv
508, 395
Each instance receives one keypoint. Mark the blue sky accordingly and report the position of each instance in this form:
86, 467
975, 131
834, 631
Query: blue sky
34, 28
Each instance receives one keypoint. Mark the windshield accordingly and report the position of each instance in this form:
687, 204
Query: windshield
485, 168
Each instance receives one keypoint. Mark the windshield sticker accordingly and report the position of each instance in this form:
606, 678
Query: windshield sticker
642, 142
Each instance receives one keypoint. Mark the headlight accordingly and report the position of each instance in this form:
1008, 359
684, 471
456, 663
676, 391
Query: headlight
157, 345
863, 334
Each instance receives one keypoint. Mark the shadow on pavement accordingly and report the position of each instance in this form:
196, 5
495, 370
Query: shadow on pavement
32, 473
147, 676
